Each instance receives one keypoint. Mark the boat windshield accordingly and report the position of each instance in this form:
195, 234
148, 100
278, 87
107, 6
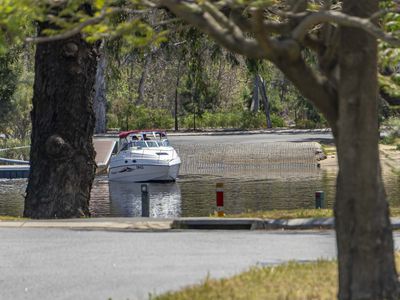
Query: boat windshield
152, 144
144, 140
164, 143
144, 144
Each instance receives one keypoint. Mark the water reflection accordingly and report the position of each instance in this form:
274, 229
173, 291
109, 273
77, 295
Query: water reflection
249, 194
126, 199
194, 195
12, 193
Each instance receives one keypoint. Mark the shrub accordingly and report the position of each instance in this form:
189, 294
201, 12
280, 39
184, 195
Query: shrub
277, 121
392, 128
234, 119
306, 124
309, 124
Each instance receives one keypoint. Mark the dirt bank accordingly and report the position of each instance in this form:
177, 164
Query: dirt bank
390, 158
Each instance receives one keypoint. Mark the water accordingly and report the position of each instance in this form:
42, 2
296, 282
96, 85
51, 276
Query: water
255, 176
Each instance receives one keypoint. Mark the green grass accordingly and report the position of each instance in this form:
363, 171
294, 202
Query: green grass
294, 281
328, 149
10, 218
390, 140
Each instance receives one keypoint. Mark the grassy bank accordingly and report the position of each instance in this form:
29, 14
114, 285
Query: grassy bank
297, 213
269, 214
285, 214
294, 281
10, 218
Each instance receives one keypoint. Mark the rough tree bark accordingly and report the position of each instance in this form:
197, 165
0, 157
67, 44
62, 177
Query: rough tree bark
346, 94
363, 229
100, 100
62, 155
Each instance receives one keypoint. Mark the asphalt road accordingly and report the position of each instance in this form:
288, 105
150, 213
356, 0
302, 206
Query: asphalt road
65, 264
246, 137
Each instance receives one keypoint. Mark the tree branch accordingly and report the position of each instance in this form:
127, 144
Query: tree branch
315, 88
260, 33
276, 27
245, 25
78, 28
383, 12
342, 19
69, 33
217, 25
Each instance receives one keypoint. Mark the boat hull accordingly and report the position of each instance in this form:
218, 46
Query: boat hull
145, 172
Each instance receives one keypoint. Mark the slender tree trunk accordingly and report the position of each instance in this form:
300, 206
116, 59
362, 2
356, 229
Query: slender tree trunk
364, 235
62, 155
255, 101
194, 119
178, 77
142, 81
263, 92
130, 74
100, 100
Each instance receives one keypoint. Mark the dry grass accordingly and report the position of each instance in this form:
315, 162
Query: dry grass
297, 214
294, 281
286, 214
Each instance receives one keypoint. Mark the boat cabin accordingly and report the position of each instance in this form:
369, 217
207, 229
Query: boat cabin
140, 139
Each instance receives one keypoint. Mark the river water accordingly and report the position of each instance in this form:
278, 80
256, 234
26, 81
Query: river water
256, 177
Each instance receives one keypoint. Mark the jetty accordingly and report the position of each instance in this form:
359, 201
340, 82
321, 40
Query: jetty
14, 168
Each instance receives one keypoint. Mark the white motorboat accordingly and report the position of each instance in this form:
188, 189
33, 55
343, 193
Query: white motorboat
144, 155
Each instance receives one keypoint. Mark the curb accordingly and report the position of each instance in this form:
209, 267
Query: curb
148, 224
252, 223
248, 132
231, 132
109, 224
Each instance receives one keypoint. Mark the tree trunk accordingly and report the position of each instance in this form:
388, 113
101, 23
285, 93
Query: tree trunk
142, 81
100, 100
263, 92
364, 235
178, 77
194, 119
255, 100
62, 155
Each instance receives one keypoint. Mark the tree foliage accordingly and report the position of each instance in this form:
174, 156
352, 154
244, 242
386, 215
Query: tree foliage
8, 83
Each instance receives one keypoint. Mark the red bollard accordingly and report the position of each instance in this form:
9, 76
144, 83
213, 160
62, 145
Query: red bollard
220, 199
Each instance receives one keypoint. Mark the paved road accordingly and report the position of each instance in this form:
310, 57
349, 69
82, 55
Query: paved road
251, 138
65, 264
61, 264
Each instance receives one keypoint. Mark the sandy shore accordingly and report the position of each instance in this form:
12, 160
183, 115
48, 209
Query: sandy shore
389, 156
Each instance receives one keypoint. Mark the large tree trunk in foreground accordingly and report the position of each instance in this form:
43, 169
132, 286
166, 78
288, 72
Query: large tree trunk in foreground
100, 100
364, 235
62, 154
